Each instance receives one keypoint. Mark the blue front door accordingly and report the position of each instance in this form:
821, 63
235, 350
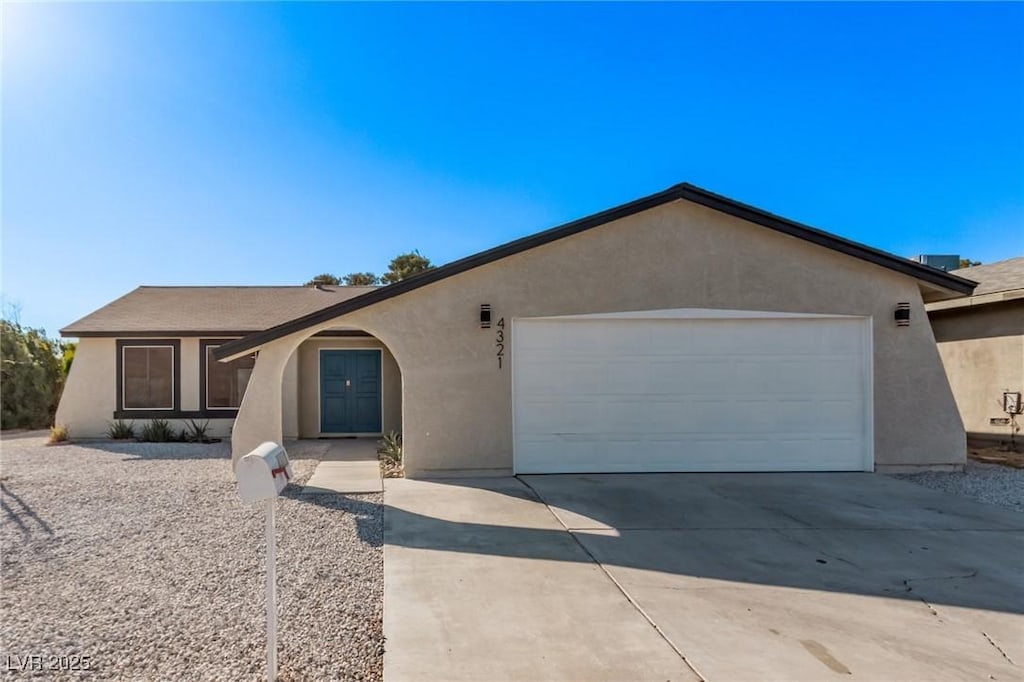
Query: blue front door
350, 391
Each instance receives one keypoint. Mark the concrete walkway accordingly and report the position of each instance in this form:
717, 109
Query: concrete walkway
699, 577
348, 466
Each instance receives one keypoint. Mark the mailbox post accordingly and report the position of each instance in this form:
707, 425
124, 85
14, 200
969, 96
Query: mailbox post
262, 475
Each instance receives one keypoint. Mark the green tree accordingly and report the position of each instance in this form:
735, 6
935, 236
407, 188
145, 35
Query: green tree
405, 265
326, 278
354, 279
31, 377
968, 263
67, 356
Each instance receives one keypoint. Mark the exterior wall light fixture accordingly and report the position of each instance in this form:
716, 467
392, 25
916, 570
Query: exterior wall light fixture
902, 314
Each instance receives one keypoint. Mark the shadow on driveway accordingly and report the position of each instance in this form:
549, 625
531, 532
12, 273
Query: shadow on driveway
862, 534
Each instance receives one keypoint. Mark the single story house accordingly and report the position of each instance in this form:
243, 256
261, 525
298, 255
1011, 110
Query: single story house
981, 343
683, 331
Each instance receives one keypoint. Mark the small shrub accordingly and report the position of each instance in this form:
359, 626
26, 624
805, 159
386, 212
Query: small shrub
389, 449
121, 430
59, 434
158, 431
196, 432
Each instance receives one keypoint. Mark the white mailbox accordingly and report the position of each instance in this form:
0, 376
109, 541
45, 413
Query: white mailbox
263, 473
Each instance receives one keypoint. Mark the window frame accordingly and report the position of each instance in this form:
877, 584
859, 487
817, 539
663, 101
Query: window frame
204, 381
144, 412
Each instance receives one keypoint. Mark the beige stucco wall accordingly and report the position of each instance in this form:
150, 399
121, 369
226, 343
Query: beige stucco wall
290, 398
457, 403
88, 401
309, 382
982, 349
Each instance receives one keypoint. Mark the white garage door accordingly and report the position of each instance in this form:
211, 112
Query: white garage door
629, 394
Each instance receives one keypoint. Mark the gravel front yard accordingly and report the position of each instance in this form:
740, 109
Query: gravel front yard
989, 483
141, 557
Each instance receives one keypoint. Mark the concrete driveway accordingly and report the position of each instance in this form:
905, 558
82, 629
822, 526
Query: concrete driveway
702, 576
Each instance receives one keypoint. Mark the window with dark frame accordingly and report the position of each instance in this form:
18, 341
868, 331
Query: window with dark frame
226, 381
148, 377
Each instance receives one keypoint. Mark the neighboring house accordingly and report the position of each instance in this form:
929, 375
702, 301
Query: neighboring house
683, 331
981, 341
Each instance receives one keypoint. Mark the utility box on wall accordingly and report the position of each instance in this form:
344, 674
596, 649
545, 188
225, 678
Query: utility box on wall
1012, 403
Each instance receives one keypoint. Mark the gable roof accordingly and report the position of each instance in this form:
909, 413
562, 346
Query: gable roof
950, 285
201, 311
1004, 275
997, 283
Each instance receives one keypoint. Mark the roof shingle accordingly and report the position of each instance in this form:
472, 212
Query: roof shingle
1005, 275
177, 310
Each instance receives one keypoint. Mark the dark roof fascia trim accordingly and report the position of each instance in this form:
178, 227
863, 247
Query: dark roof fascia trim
820, 237
358, 333
233, 335
683, 191
68, 334
443, 272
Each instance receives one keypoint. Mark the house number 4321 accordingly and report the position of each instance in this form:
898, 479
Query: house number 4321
499, 341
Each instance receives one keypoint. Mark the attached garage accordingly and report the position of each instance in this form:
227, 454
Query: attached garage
692, 390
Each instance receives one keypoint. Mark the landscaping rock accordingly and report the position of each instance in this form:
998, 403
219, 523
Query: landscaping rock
141, 557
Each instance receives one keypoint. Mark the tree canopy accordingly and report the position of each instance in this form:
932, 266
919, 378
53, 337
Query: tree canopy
354, 279
32, 376
968, 263
325, 278
405, 265
402, 266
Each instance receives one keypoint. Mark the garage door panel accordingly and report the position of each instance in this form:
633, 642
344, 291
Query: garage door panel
628, 376
703, 376
691, 395
838, 374
544, 379
621, 417
842, 337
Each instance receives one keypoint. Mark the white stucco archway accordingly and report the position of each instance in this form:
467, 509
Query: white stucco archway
260, 416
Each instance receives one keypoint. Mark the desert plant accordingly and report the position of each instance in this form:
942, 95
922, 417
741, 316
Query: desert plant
196, 432
158, 431
389, 451
390, 447
59, 434
120, 430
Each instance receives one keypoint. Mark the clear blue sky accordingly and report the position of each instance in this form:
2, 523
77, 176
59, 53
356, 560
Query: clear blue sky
265, 143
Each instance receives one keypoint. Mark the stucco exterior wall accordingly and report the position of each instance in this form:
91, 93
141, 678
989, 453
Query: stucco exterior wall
88, 401
290, 398
458, 403
309, 382
189, 373
90, 395
982, 349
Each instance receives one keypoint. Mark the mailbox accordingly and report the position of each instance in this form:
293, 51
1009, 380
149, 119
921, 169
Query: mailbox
263, 473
